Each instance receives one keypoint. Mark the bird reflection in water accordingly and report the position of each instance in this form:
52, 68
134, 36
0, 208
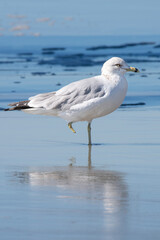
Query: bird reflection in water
78, 182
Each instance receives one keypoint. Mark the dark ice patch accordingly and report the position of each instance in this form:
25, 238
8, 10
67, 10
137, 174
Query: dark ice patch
16, 82
6, 62
72, 60
25, 54
54, 49
58, 84
119, 46
132, 104
48, 53
131, 60
69, 69
144, 75
157, 46
39, 73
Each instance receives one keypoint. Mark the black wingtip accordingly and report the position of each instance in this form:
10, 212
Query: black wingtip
18, 106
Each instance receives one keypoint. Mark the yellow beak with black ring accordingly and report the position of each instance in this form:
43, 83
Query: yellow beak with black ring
131, 69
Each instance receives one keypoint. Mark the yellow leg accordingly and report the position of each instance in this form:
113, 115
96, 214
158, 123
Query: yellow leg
89, 156
89, 134
70, 126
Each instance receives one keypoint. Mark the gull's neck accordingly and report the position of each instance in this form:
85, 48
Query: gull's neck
112, 74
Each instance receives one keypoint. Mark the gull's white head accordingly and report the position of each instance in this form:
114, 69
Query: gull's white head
116, 65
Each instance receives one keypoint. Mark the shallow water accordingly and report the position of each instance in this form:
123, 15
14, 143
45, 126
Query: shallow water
52, 184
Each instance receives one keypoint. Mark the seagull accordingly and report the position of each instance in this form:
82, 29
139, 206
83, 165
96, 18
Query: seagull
83, 100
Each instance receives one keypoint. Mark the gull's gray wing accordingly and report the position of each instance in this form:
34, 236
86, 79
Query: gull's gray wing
70, 95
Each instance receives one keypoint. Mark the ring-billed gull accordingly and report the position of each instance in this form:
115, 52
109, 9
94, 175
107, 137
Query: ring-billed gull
83, 100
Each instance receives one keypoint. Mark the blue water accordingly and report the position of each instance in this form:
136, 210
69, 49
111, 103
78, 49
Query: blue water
34, 17
52, 185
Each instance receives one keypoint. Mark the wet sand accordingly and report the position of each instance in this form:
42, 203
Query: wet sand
51, 187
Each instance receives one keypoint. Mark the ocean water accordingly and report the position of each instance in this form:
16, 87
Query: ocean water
53, 185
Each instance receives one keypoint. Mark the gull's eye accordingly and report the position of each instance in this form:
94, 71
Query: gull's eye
118, 65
